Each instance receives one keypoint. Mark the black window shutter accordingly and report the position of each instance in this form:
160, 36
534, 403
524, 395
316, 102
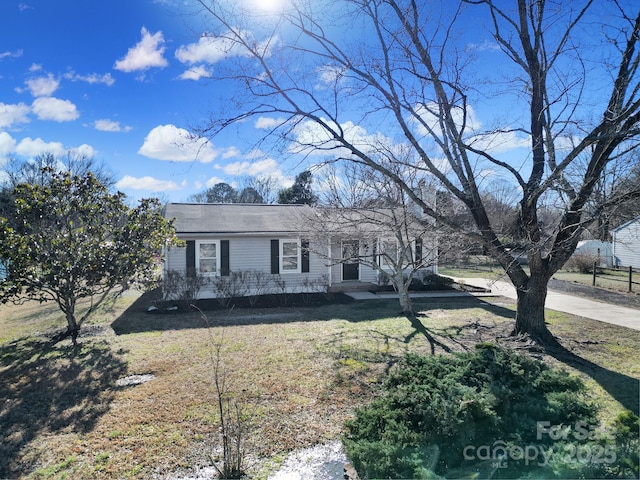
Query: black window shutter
418, 250
275, 256
304, 244
375, 252
224, 258
191, 258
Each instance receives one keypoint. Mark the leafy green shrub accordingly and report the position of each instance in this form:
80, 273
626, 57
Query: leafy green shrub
466, 414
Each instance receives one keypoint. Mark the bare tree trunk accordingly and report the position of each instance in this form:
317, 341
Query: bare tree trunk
405, 299
530, 311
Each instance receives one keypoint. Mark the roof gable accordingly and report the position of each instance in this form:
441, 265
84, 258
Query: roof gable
626, 224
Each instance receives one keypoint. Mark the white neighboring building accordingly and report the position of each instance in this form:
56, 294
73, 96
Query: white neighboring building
626, 244
603, 251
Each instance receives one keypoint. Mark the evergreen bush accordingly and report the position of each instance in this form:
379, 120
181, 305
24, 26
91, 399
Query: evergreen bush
485, 412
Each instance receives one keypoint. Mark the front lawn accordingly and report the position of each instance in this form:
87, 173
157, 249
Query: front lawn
298, 373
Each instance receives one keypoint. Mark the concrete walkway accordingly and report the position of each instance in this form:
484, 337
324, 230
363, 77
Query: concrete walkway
561, 302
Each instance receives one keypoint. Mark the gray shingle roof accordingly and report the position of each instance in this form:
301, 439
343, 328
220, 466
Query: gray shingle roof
256, 219
235, 217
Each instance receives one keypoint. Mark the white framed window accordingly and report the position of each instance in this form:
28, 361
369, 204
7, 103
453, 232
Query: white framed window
290, 261
392, 253
208, 257
389, 251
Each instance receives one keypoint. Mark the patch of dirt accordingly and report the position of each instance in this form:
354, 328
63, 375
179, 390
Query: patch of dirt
134, 380
630, 300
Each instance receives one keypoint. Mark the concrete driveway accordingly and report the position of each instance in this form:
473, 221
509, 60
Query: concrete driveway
562, 302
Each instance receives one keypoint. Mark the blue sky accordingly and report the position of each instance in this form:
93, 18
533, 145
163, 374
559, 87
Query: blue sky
118, 80
124, 81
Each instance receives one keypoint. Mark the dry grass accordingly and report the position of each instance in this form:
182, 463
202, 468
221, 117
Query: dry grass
618, 281
298, 372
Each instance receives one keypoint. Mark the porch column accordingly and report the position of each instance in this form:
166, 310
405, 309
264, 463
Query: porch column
329, 257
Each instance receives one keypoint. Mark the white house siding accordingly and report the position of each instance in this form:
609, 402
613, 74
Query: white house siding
254, 254
626, 244
253, 251
176, 259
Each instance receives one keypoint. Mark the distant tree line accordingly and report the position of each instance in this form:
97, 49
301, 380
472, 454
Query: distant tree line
261, 190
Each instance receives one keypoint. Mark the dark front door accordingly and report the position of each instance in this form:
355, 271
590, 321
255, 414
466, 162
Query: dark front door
351, 265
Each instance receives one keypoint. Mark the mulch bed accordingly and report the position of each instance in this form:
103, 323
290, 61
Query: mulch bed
261, 301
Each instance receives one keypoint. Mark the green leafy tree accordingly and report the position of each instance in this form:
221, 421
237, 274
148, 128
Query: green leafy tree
219, 193
300, 192
225, 193
75, 241
250, 195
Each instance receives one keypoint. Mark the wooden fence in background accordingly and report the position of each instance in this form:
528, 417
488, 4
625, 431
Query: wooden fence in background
602, 272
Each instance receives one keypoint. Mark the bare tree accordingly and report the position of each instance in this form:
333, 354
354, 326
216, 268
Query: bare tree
38, 170
41, 170
265, 186
355, 78
377, 225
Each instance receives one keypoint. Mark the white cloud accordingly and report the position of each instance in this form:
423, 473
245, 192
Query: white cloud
330, 74
12, 114
196, 73
494, 142
147, 53
207, 50
214, 181
265, 123
35, 67
168, 142
8, 54
231, 152
146, 183
106, 125
267, 165
92, 78
486, 45
50, 108
29, 147
83, 151
42, 86
7, 144
312, 139
210, 49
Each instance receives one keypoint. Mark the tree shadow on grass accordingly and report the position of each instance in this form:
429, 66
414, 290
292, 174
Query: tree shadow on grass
420, 329
136, 319
51, 388
621, 387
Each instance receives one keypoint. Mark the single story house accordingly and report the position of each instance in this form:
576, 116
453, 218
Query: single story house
626, 244
280, 248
